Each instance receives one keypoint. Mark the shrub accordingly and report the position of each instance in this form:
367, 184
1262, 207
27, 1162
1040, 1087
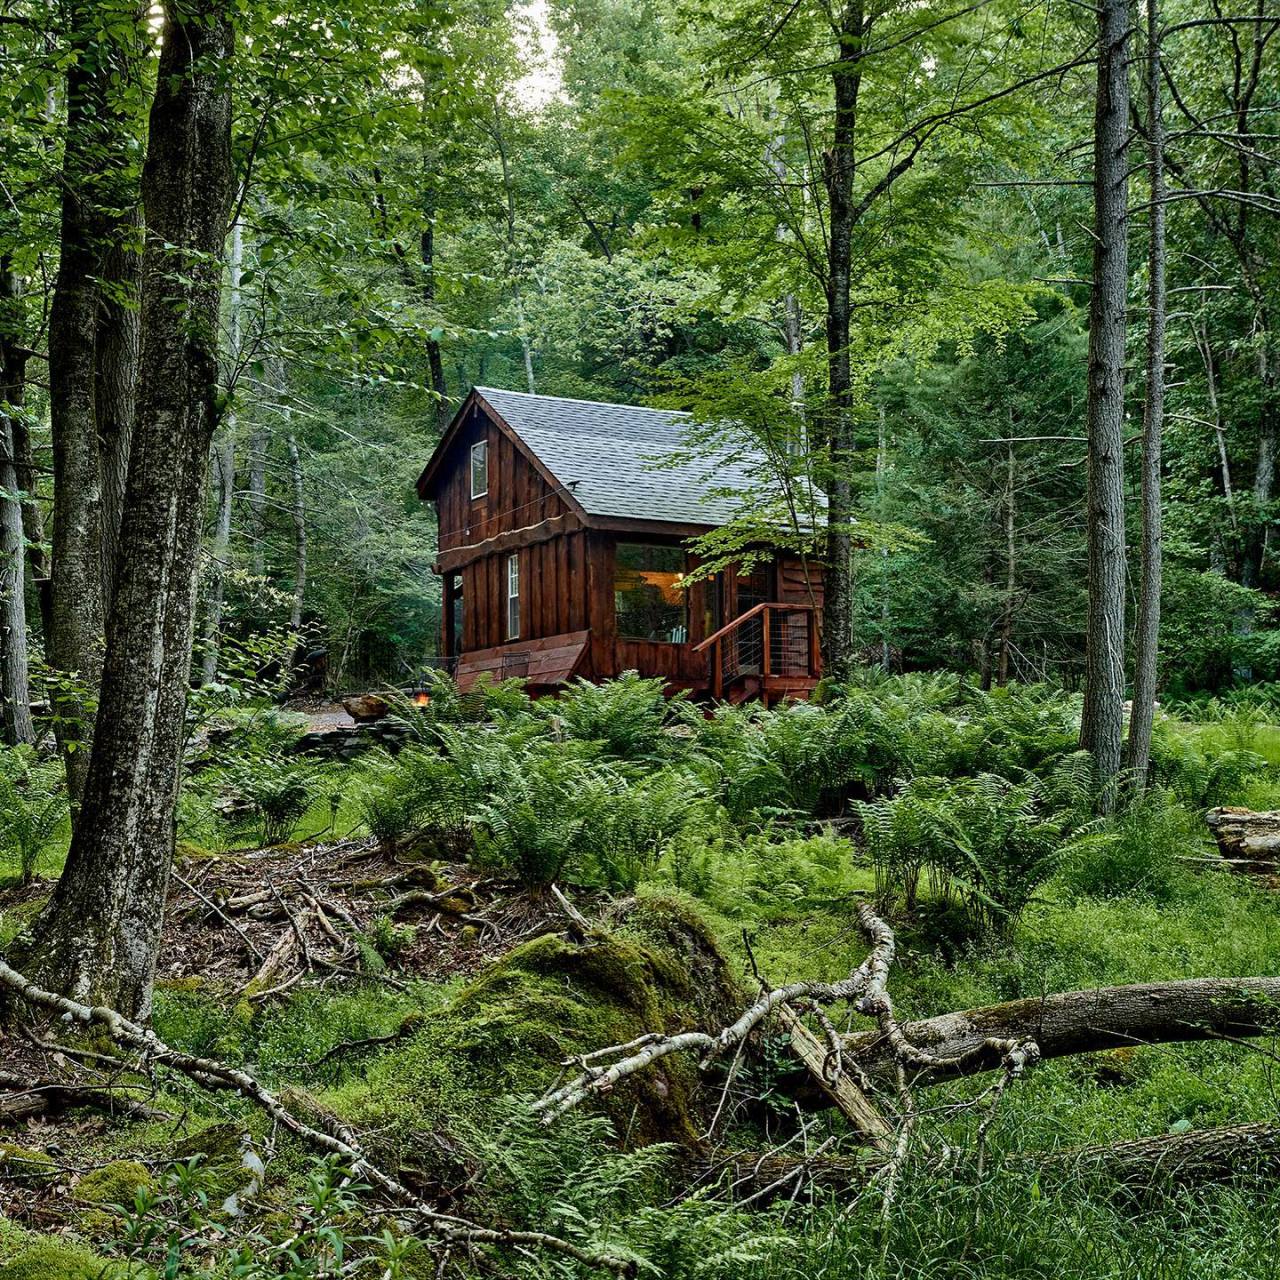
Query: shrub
1142, 856
279, 792
418, 790
1200, 771
539, 822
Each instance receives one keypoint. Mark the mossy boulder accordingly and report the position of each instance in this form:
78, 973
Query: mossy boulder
657, 968
219, 1148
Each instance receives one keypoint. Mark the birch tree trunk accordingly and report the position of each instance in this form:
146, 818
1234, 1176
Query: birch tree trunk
1147, 634
39, 566
1102, 721
98, 936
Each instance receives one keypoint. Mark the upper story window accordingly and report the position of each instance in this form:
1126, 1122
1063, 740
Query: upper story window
480, 469
648, 593
513, 597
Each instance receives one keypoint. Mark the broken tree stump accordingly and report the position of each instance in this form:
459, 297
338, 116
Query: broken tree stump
1248, 841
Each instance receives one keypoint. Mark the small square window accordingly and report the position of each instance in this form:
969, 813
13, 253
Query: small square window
480, 469
513, 597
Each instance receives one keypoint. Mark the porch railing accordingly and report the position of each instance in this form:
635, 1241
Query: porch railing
772, 642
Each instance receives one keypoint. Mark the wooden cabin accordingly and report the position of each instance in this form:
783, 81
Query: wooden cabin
563, 530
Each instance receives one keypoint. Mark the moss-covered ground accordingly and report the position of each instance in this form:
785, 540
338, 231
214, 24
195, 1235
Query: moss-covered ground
438, 1098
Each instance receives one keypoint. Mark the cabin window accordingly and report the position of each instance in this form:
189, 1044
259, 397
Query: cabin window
648, 593
513, 597
480, 469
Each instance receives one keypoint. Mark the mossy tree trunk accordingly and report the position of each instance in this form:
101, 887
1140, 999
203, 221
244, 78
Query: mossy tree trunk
97, 939
93, 349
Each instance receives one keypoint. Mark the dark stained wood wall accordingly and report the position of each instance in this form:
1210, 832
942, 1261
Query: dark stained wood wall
566, 569
518, 494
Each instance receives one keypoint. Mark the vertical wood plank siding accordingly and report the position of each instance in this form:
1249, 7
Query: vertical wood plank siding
566, 581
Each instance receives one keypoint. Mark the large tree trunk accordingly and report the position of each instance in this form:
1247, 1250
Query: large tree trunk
116, 382
224, 461
1074, 1022
97, 939
1102, 722
87, 359
15, 692
1235, 1152
838, 601
1147, 636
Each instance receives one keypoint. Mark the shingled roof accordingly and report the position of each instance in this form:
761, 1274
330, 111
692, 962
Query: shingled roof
614, 458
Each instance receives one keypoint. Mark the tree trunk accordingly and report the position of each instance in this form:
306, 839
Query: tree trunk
427, 250
39, 566
299, 536
97, 939
1171, 1159
1147, 635
1264, 476
116, 382
1102, 721
1010, 566
224, 462
15, 690
1073, 1022
224, 465
96, 241
838, 603
258, 442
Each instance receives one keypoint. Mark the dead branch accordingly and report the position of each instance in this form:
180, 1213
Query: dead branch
254, 954
867, 985
342, 1142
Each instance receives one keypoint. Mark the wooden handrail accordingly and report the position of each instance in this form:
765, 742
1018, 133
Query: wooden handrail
734, 623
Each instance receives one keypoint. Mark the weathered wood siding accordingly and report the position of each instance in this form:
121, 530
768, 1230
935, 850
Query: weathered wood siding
566, 569
518, 494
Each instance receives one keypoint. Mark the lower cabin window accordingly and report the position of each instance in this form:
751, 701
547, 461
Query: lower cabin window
649, 594
513, 597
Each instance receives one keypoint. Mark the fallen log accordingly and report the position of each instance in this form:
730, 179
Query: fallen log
1178, 1159
1248, 841
1073, 1022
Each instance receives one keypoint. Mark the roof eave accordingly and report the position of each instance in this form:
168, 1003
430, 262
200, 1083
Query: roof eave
426, 480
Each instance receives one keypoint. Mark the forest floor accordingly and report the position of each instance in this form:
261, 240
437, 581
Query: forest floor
409, 992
